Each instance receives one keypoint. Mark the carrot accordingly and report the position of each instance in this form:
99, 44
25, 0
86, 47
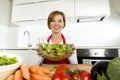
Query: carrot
25, 71
39, 69
39, 77
35, 70
46, 71
11, 77
18, 75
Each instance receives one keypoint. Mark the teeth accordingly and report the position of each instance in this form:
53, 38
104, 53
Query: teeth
56, 28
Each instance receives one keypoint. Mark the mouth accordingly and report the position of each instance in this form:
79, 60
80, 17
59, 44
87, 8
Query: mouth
56, 27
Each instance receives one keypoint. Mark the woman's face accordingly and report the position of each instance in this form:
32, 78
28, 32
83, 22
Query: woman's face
57, 24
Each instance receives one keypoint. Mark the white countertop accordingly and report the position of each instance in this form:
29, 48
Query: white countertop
18, 48
96, 47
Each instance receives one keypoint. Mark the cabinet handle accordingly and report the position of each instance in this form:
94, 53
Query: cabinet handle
26, 3
24, 21
47, 1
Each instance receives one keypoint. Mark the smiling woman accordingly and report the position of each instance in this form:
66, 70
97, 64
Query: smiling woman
56, 23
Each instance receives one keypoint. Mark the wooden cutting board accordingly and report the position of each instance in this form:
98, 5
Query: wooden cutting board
52, 67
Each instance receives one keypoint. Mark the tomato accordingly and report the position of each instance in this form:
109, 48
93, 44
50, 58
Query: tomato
61, 76
62, 68
84, 75
75, 76
56, 76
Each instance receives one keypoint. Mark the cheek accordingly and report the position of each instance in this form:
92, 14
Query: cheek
63, 25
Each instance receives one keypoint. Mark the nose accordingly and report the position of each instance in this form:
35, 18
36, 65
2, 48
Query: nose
56, 22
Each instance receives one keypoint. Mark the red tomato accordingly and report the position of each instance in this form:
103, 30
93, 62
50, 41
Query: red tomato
56, 76
61, 76
62, 68
84, 75
75, 76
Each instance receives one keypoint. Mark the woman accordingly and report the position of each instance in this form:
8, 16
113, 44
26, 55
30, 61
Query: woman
56, 22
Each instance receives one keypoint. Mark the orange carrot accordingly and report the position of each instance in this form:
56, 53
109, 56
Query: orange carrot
39, 77
35, 70
11, 77
18, 75
25, 71
39, 69
46, 71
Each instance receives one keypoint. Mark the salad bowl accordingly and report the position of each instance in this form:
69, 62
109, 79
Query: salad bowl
56, 52
7, 70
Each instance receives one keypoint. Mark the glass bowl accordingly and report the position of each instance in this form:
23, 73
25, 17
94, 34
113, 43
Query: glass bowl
56, 52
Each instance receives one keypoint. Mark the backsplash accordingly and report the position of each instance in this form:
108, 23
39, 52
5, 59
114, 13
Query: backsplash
84, 34
3, 35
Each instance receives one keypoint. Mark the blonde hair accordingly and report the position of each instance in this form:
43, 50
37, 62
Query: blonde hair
52, 15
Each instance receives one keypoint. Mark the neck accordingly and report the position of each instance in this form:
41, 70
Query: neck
56, 38
56, 35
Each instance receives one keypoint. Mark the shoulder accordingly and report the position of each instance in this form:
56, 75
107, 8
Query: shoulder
69, 39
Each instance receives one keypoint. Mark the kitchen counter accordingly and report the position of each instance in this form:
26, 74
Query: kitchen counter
77, 47
86, 67
98, 47
18, 48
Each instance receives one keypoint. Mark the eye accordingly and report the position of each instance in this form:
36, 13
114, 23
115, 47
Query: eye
53, 21
60, 21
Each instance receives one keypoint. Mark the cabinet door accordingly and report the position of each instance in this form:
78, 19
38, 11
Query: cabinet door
23, 1
91, 7
34, 58
44, 8
24, 12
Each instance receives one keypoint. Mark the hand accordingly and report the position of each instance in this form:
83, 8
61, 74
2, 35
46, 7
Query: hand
39, 53
73, 48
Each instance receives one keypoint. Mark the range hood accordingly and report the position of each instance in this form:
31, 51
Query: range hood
91, 10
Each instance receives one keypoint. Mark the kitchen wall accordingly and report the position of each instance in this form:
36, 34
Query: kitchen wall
105, 33
4, 21
3, 35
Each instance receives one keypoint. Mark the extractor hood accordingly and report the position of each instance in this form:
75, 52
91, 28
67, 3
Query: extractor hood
91, 10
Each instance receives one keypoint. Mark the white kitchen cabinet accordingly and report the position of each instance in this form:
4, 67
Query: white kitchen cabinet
28, 1
34, 58
24, 12
84, 8
44, 8
45, 0
40, 10
24, 1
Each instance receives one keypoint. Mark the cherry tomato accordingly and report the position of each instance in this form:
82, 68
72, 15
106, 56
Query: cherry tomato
56, 76
75, 76
84, 75
62, 68
61, 76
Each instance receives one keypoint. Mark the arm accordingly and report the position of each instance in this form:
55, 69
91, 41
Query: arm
73, 57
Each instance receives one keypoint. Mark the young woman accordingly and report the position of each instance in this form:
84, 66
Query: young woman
56, 22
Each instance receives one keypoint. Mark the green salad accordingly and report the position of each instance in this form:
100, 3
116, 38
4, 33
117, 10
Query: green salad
4, 60
55, 51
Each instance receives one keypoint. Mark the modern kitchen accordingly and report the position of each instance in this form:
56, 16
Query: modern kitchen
93, 25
